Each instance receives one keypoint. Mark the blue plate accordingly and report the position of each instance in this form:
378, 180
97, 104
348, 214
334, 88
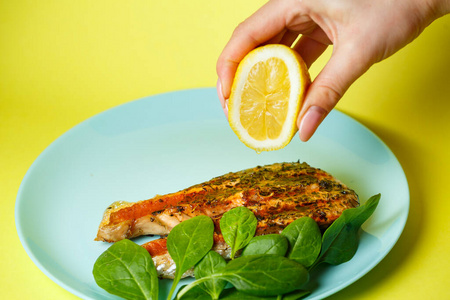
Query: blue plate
164, 143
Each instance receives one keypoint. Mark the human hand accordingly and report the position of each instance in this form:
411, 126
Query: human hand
362, 32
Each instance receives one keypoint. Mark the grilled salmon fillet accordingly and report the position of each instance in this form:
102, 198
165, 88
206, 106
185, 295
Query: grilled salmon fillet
277, 194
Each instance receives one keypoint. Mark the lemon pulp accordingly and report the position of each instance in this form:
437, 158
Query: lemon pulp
265, 99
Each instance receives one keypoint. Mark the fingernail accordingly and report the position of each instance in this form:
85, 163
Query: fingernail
223, 102
310, 121
220, 92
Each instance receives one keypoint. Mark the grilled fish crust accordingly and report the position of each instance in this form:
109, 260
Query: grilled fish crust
277, 194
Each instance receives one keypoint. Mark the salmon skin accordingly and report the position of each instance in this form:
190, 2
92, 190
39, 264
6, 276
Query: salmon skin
277, 194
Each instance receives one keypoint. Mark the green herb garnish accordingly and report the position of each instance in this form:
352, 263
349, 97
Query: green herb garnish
126, 269
304, 239
340, 240
259, 275
238, 227
212, 263
188, 243
267, 244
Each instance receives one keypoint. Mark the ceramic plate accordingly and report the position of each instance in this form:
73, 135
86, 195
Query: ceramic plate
164, 143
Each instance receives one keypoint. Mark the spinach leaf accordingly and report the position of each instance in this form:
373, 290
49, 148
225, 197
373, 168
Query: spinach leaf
295, 295
196, 293
340, 240
213, 262
260, 275
305, 240
187, 243
234, 294
265, 274
267, 244
238, 226
126, 269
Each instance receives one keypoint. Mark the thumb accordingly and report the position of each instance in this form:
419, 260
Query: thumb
343, 68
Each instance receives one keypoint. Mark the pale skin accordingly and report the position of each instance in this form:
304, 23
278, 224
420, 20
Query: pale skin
362, 32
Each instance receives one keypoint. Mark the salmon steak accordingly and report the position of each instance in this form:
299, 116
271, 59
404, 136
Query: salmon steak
277, 194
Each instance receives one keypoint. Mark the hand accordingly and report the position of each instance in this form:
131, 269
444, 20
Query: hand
362, 32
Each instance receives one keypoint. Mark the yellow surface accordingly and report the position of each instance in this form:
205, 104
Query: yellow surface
62, 62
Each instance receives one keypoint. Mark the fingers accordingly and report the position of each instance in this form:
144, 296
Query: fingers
309, 49
288, 38
265, 24
285, 37
276, 39
343, 68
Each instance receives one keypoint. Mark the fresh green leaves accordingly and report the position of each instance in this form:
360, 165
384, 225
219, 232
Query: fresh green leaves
238, 227
340, 240
267, 244
234, 294
188, 243
265, 274
196, 293
304, 239
298, 294
125, 269
213, 262
259, 275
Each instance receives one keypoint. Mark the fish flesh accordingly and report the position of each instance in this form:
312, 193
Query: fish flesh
277, 194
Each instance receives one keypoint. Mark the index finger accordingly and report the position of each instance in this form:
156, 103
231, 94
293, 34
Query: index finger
264, 24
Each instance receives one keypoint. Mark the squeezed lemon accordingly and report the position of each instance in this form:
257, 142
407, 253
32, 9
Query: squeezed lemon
266, 96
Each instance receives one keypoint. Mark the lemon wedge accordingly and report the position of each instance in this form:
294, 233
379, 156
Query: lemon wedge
266, 96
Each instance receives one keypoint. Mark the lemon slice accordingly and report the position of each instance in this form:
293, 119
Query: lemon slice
266, 96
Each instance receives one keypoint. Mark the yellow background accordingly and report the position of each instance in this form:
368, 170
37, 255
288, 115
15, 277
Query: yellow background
62, 62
